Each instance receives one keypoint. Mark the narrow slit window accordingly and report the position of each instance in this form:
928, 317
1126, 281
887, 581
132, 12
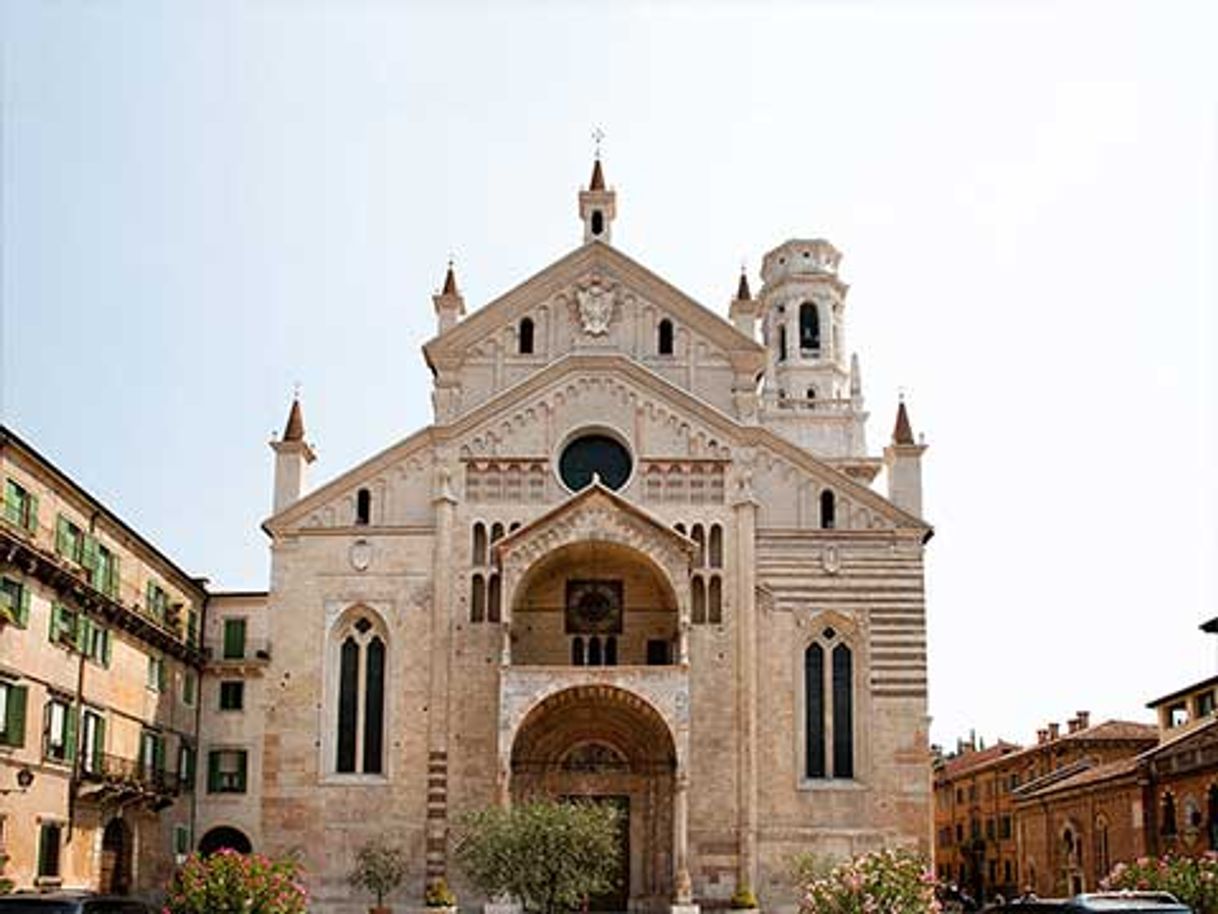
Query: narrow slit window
664, 342
814, 711
477, 599
843, 712
714, 601
526, 336
809, 327
363, 507
493, 599
348, 684
594, 651
479, 544
698, 535
699, 601
577, 651
716, 546
611, 651
374, 707
828, 510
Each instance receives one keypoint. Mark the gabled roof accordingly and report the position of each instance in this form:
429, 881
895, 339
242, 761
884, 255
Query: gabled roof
583, 364
1181, 693
595, 491
1084, 776
558, 276
1201, 730
960, 764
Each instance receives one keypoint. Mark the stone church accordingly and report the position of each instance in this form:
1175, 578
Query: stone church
636, 557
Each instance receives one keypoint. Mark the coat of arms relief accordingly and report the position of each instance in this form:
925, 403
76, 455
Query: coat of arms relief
595, 304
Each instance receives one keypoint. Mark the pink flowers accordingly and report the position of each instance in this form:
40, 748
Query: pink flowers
231, 883
889, 881
1190, 879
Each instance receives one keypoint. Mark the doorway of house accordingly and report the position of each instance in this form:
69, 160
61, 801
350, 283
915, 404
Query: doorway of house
116, 858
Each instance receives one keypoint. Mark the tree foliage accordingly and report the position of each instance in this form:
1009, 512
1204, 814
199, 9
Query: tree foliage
380, 867
549, 855
231, 883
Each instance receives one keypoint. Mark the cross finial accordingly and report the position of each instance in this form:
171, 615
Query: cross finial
296, 390
901, 394
597, 136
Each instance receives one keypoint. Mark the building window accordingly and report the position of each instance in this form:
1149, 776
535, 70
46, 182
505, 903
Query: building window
226, 771
232, 695
843, 712
1103, 861
95, 641
809, 327
234, 639
20, 507
598, 222
664, 337
716, 546
181, 840
828, 710
152, 754
1177, 715
63, 625
782, 344
14, 602
814, 711
1168, 827
156, 600
526, 336
186, 765
1205, 704
828, 510
477, 598
363, 507
49, 835
59, 731
494, 598
158, 674
190, 687
12, 714
1004, 827
92, 741
105, 572
577, 651
361, 698
698, 614
714, 601
69, 540
192, 628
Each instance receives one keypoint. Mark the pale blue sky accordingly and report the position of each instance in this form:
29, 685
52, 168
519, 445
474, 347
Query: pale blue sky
205, 202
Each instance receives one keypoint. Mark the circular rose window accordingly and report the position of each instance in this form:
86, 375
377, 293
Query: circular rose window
598, 455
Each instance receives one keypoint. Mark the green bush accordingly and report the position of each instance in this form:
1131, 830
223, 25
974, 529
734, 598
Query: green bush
1193, 880
888, 881
231, 883
743, 899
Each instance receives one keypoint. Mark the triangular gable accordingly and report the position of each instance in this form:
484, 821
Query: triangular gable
582, 365
553, 279
581, 502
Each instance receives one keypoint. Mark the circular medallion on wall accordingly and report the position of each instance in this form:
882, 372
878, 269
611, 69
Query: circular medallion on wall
594, 454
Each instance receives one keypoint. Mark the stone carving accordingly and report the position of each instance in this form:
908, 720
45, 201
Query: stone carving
831, 559
360, 555
596, 306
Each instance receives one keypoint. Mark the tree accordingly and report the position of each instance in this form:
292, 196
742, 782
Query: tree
379, 867
548, 855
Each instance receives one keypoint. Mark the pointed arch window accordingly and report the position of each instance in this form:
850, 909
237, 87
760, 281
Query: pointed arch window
828, 510
828, 707
716, 546
526, 336
809, 327
664, 337
360, 700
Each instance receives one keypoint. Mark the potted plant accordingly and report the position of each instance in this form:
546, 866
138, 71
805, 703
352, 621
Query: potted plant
379, 868
743, 898
439, 897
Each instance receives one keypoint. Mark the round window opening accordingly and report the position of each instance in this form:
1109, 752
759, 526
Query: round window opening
594, 454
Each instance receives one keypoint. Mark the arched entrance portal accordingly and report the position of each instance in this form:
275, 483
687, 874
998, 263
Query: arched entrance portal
224, 837
606, 744
116, 857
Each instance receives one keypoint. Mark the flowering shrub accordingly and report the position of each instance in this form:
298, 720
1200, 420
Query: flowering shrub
1193, 880
231, 883
882, 882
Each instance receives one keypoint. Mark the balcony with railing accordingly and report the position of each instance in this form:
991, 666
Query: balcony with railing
116, 779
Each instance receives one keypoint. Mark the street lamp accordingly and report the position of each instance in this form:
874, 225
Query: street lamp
25, 778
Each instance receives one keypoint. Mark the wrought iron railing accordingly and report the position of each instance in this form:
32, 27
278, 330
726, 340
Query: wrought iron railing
119, 771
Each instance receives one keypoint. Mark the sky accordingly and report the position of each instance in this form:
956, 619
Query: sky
205, 204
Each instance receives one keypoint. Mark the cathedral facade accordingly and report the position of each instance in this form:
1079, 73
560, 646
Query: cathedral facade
637, 558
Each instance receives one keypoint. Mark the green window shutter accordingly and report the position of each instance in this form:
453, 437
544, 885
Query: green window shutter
14, 726
213, 772
70, 732
84, 628
31, 515
158, 753
53, 631
99, 740
88, 556
23, 607
234, 639
12, 502
115, 577
63, 537
241, 772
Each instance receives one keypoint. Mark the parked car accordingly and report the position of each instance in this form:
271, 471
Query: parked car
71, 903
1123, 902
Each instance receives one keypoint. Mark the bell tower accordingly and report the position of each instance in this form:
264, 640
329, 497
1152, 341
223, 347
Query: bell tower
813, 393
597, 206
